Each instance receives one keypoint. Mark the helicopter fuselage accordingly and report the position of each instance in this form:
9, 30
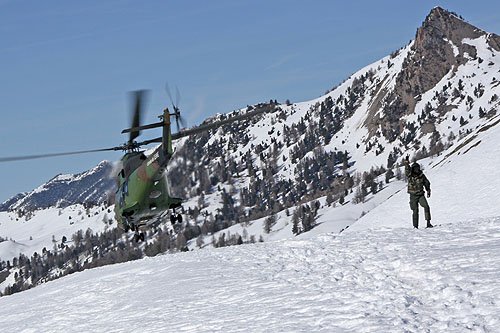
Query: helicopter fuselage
142, 196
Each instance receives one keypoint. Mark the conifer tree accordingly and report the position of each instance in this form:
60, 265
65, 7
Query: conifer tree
295, 223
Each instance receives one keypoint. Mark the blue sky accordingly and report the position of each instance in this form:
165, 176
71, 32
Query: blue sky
66, 66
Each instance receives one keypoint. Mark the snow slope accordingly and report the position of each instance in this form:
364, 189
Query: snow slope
464, 184
27, 236
464, 180
385, 280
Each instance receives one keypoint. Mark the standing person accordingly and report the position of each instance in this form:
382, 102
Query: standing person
416, 184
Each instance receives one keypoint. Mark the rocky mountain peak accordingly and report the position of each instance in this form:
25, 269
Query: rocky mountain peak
440, 47
441, 26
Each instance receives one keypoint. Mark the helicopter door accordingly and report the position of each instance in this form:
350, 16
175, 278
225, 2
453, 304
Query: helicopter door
123, 192
119, 195
125, 187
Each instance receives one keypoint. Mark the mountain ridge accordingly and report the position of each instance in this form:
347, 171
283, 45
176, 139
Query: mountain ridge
91, 186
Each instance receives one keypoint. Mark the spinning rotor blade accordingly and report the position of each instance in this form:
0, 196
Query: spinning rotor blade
201, 128
175, 106
147, 142
179, 118
143, 127
177, 103
182, 121
32, 157
177, 121
137, 97
167, 88
154, 125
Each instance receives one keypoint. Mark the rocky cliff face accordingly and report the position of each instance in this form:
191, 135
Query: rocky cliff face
440, 48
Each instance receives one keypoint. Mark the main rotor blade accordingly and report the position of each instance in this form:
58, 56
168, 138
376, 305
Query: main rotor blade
143, 127
32, 157
154, 125
147, 142
138, 98
206, 127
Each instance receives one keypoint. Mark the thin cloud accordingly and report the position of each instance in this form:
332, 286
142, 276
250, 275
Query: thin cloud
45, 42
281, 61
82, 35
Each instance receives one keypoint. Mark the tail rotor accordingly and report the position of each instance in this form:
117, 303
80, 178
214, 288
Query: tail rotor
175, 106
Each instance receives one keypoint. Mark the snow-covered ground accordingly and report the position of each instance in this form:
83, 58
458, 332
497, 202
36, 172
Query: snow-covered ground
464, 185
31, 235
444, 279
464, 182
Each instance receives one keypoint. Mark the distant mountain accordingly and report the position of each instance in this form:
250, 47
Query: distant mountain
4, 206
91, 186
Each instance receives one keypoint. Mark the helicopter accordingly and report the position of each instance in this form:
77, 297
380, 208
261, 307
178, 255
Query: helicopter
142, 199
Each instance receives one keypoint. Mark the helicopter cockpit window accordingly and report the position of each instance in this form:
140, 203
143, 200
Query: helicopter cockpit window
125, 188
120, 198
133, 162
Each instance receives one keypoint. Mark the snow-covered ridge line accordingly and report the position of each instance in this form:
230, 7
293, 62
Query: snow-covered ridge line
89, 186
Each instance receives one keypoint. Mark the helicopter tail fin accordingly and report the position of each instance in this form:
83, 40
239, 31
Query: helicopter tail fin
167, 134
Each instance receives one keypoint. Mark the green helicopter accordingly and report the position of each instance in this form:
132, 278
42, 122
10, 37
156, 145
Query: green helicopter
142, 199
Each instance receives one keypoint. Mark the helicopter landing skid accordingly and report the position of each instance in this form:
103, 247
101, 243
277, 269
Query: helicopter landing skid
154, 222
139, 236
175, 217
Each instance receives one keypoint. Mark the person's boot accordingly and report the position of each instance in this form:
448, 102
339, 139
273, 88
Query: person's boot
429, 225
